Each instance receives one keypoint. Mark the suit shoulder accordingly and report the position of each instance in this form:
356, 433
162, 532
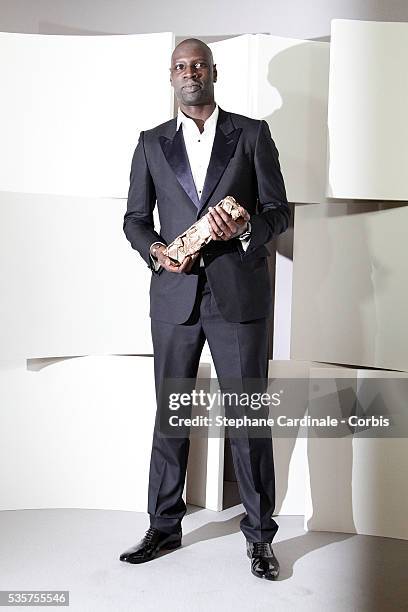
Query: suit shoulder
157, 130
245, 122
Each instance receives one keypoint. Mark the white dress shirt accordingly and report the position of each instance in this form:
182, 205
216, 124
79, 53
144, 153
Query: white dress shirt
199, 146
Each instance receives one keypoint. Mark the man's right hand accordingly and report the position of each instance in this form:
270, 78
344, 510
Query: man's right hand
158, 252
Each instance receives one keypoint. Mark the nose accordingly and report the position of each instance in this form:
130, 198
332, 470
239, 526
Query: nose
190, 72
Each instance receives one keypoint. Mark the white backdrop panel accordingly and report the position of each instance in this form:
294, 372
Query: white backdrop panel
70, 282
350, 295
285, 82
72, 107
282, 305
205, 476
77, 433
290, 453
367, 114
358, 484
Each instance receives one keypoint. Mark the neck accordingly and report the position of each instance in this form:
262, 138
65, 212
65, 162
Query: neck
199, 114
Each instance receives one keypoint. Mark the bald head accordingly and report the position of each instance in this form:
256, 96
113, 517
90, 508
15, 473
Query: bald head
193, 73
196, 43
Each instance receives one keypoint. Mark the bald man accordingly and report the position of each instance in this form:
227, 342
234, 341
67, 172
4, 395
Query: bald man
185, 166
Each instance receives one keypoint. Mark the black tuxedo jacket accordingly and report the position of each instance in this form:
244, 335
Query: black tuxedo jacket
244, 163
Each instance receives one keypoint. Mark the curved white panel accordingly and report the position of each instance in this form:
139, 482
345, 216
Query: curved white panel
350, 295
77, 434
285, 82
367, 116
72, 107
359, 484
70, 282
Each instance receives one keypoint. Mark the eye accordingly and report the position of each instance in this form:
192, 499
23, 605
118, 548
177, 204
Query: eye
178, 67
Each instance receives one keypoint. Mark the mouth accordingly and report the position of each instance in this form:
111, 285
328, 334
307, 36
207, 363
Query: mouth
192, 87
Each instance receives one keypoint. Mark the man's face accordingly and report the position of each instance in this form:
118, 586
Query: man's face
193, 75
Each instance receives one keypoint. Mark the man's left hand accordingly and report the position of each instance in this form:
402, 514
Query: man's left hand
223, 226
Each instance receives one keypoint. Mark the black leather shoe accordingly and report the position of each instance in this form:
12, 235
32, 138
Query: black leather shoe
149, 546
264, 564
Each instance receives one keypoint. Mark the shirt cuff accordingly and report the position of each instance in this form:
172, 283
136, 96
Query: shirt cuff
155, 263
245, 237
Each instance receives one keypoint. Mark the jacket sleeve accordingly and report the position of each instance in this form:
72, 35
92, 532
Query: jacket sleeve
138, 223
273, 213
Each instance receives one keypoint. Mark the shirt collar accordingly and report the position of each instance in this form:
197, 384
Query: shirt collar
211, 122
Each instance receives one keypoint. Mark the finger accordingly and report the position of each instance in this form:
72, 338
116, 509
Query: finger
168, 263
214, 229
192, 259
226, 222
219, 225
186, 264
172, 267
244, 213
214, 236
189, 266
226, 217
232, 225
219, 216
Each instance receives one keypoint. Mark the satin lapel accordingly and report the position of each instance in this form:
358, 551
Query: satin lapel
225, 142
175, 152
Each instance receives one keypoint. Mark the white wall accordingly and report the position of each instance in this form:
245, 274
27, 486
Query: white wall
76, 433
368, 129
281, 17
350, 294
70, 113
71, 283
70, 117
358, 484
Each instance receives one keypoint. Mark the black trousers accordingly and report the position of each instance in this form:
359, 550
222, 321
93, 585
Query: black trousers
239, 351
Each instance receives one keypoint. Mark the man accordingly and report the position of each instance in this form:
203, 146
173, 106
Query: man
223, 294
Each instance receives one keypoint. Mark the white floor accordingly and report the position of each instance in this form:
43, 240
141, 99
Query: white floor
78, 550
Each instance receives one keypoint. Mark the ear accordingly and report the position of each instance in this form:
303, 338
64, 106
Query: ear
215, 74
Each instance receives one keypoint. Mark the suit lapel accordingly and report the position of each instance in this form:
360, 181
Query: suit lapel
225, 142
174, 150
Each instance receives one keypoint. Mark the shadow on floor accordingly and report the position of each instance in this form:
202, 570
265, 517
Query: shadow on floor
288, 551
